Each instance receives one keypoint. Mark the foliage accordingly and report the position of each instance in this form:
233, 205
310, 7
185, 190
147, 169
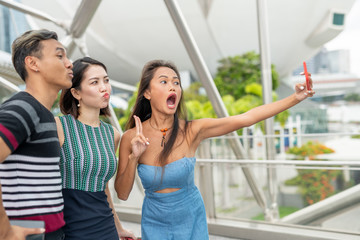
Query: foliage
197, 110
200, 107
241, 71
283, 212
193, 93
55, 109
352, 97
310, 149
126, 114
315, 185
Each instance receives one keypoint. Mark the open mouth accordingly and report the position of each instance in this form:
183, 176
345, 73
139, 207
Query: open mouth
171, 100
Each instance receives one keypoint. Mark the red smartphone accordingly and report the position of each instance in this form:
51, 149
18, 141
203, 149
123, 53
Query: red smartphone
307, 77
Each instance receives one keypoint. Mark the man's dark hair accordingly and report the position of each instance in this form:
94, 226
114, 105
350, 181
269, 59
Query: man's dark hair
29, 44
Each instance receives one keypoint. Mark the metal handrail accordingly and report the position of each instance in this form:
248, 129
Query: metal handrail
298, 164
287, 135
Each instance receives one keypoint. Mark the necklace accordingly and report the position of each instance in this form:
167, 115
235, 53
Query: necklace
163, 130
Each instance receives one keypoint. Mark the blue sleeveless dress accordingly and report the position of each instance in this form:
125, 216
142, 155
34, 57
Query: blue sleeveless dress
178, 215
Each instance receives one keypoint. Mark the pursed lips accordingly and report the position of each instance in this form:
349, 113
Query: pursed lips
71, 74
106, 96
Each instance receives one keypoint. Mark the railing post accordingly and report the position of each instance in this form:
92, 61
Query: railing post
267, 98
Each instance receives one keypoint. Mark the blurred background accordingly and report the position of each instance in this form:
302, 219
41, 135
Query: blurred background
231, 55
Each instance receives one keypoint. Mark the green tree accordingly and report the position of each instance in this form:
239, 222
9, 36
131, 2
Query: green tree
193, 93
235, 73
126, 114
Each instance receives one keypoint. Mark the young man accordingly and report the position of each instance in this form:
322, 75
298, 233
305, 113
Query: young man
30, 181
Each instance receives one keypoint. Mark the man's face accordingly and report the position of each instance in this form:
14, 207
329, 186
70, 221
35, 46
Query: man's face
54, 66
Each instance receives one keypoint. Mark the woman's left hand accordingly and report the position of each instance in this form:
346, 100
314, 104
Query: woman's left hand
302, 92
124, 234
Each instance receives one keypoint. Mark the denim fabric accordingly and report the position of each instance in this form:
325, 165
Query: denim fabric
178, 215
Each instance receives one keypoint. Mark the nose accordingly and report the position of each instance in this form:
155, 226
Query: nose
102, 87
68, 64
172, 88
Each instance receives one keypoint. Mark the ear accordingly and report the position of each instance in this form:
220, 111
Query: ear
75, 94
147, 94
31, 63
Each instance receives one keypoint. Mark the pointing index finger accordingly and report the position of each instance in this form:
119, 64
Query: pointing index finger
138, 125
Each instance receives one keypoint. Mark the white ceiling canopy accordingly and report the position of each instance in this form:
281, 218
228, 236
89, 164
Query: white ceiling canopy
126, 34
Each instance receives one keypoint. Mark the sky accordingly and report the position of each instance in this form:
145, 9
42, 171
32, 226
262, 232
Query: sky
350, 38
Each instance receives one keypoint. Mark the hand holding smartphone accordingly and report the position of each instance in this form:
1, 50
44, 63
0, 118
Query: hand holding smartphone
307, 77
30, 224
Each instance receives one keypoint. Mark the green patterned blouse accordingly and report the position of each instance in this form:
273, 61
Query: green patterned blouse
87, 159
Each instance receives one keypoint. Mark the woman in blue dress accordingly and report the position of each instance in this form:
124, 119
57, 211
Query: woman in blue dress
161, 144
87, 157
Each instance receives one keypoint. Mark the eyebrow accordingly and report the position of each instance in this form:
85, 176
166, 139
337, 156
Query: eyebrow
92, 78
60, 49
175, 77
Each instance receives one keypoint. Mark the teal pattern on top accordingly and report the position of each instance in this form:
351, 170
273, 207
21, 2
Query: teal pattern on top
87, 157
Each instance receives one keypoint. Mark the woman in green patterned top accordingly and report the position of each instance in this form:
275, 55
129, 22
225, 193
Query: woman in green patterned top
87, 157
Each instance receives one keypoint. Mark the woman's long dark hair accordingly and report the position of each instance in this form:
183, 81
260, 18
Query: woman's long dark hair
142, 107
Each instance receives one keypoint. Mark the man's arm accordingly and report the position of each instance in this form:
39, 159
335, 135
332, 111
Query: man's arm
4, 150
4, 221
6, 230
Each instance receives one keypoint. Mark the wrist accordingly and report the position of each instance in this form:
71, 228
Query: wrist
296, 99
132, 157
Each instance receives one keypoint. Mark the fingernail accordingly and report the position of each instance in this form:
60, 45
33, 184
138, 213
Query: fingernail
147, 143
305, 93
42, 229
302, 87
301, 73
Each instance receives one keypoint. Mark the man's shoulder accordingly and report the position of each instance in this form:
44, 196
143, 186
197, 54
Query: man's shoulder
21, 95
21, 98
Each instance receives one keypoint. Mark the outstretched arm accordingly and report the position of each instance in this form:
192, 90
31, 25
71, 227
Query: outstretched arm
132, 145
215, 127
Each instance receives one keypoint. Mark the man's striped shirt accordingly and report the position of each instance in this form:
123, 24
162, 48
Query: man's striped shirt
30, 176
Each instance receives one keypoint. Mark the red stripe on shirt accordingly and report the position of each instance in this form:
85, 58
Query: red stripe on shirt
52, 221
9, 136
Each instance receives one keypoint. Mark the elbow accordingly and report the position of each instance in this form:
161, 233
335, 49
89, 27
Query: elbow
248, 121
122, 196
